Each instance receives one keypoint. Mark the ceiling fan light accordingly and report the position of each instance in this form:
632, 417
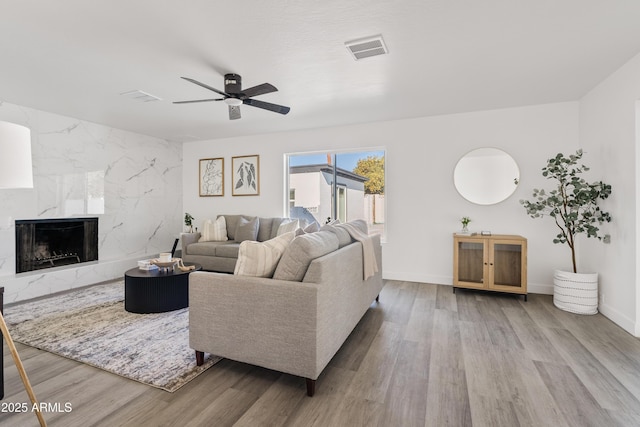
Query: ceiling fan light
234, 102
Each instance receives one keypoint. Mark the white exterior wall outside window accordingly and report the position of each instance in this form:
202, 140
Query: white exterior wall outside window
312, 176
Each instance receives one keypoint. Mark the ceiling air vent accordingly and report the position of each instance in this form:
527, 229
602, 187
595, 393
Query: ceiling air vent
140, 96
367, 47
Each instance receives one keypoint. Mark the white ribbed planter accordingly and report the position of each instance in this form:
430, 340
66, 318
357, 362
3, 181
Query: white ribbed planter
575, 292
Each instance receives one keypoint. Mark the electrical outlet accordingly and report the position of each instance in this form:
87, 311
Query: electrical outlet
606, 238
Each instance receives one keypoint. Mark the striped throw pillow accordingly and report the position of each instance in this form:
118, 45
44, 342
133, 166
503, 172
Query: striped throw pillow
260, 259
288, 226
214, 231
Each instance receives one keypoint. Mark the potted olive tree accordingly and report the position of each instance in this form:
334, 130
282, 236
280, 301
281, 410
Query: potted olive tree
573, 205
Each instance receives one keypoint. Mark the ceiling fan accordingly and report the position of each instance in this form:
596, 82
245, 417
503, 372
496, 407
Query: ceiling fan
234, 96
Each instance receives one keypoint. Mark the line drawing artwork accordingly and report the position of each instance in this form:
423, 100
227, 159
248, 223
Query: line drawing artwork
211, 177
246, 179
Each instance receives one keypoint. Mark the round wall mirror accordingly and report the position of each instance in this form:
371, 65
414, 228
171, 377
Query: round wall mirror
486, 176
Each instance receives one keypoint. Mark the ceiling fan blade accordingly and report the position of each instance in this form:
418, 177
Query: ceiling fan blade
234, 112
258, 90
267, 106
205, 86
198, 100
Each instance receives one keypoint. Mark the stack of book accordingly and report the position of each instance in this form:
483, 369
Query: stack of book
147, 265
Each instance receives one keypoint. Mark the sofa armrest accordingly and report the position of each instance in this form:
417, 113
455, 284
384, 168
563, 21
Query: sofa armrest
261, 321
187, 239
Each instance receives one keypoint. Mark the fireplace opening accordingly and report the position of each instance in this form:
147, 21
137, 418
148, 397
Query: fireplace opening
47, 243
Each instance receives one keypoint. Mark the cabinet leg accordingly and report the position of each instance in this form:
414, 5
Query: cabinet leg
525, 297
454, 289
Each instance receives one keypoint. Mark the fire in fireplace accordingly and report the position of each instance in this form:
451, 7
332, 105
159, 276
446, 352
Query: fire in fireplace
46, 243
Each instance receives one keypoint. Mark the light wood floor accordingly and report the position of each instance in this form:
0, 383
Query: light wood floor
423, 356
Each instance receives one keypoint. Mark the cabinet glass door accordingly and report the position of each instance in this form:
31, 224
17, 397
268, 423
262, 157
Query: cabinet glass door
507, 265
471, 262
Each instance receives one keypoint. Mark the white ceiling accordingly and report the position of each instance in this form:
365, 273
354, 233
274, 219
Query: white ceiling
75, 58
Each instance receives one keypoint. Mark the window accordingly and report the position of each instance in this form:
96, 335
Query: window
337, 185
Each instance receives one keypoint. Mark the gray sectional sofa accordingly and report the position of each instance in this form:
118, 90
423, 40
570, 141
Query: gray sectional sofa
221, 256
295, 321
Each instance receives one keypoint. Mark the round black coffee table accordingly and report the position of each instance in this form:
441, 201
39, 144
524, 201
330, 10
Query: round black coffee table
156, 291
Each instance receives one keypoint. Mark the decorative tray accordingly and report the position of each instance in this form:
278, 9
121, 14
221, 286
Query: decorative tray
164, 264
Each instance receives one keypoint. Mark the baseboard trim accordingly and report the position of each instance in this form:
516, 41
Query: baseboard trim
533, 288
419, 278
619, 319
538, 288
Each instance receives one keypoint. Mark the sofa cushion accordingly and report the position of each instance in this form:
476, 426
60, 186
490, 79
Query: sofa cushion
246, 229
343, 236
229, 250
259, 259
360, 224
205, 248
302, 250
214, 231
267, 228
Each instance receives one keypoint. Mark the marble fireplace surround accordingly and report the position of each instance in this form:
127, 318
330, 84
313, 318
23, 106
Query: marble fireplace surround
132, 183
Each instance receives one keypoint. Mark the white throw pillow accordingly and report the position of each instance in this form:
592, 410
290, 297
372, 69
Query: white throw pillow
214, 231
288, 226
260, 259
312, 228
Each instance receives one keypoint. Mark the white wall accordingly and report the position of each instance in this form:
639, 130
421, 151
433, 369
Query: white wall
609, 137
142, 197
355, 204
422, 206
307, 188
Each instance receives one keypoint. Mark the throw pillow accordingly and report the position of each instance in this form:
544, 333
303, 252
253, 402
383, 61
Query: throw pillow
214, 231
246, 229
259, 259
343, 236
303, 250
285, 227
312, 228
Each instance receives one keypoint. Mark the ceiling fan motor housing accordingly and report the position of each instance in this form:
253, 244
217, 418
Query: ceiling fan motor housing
232, 83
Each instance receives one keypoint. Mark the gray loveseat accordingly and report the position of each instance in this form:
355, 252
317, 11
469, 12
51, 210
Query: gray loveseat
222, 255
290, 326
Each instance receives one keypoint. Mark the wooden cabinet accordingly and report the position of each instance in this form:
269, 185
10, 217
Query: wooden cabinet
492, 263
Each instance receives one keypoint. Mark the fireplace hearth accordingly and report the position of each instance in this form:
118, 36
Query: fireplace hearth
47, 243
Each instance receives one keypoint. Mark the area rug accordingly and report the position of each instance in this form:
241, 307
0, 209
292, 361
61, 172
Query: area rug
91, 326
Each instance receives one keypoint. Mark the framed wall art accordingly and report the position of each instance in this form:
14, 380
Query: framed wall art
211, 177
245, 175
